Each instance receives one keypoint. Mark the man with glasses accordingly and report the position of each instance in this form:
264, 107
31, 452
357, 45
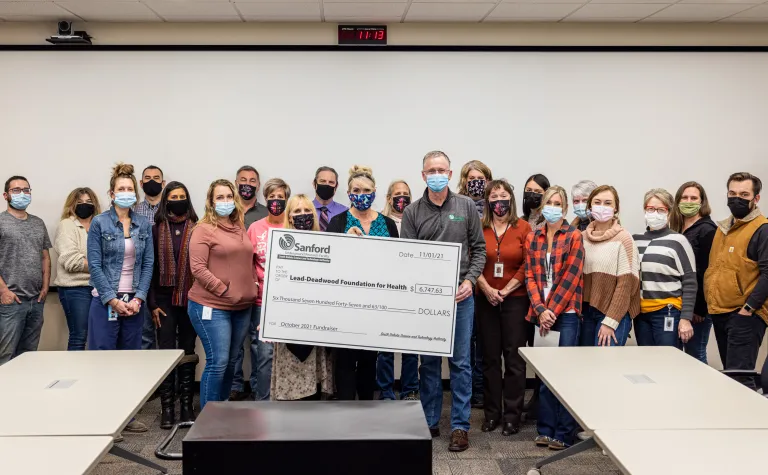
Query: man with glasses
25, 272
443, 216
736, 282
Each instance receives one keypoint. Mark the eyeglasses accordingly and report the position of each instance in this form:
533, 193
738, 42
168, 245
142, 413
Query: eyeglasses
436, 171
651, 209
16, 191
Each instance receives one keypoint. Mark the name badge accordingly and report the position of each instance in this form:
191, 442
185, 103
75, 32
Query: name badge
498, 269
730, 249
111, 314
669, 324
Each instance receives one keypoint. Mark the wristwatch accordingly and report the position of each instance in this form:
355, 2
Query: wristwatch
747, 307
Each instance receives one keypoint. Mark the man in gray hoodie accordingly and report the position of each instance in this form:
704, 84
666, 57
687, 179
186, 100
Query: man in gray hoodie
441, 215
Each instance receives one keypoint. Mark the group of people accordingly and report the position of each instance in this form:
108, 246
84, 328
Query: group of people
153, 274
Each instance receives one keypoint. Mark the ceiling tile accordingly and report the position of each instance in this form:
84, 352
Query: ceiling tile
369, 10
279, 11
110, 11
720, 2
602, 20
759, 11
31, 11
194, 11
743, 20
700, 12
666, 2
470, 12
581, 2
536, 11
616, 10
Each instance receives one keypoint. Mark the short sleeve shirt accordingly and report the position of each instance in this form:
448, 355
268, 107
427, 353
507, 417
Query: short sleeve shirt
22, 242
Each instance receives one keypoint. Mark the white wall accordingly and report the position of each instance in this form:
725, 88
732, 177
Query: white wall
635, 120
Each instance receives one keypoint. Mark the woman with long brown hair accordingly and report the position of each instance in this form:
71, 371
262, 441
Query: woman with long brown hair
472, 180
72, 276
690, 216
224, 289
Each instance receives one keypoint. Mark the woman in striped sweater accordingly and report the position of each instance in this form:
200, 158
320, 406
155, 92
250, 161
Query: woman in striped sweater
611, 274
668, 274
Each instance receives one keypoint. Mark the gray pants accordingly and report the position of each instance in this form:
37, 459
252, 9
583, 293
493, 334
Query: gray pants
20, 328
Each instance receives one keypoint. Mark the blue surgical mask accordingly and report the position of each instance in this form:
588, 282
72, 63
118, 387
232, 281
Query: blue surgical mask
580, 210
225, 208
20, 201
552, 214
437, 182
125, 199
362, 201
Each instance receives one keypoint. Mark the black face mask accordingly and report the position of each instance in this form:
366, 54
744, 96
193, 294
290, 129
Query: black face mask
275, 207
303, 222
532, 199
500, 207
325, 192
178, 207
152, 188
739, 207
246, 191
84, 210
400, 202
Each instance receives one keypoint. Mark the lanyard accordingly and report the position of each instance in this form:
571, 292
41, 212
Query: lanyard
549, 262
498, 241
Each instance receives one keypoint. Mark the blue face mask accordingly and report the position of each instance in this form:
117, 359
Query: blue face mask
552, 214
580, 210
437, 182
225, 208
362, 201
125, 199
20, 201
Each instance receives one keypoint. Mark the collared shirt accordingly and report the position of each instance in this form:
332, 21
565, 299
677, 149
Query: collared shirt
148, 210
256, 212
334, 208
567, 263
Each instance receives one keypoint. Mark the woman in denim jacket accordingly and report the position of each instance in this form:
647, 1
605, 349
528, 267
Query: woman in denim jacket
120, 258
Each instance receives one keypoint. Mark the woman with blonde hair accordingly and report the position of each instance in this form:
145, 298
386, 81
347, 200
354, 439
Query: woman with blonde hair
224, 289
690, 217
398, 198
72, 276
668, 277
474, 175
356, 369
300, 372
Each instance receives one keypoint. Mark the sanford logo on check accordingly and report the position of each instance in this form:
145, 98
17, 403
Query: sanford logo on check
288, 243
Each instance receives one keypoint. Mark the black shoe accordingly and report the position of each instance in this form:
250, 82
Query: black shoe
489, 425
187, 392
238, 396
510, 429
167, 416
434, 432
477, 403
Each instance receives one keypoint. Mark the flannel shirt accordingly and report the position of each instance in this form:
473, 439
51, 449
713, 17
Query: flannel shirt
147, 210
567, 258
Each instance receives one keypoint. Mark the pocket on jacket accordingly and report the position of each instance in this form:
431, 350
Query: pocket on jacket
109, 241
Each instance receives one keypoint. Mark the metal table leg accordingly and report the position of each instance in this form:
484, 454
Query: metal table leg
570, 451
128, 455
160, 451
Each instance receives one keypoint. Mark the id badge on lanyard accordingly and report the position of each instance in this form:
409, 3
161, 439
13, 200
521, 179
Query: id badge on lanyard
498, 270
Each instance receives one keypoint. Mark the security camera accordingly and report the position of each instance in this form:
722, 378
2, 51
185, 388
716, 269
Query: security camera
65, 28
68, 37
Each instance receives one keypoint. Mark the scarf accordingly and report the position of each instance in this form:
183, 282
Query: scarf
174, 274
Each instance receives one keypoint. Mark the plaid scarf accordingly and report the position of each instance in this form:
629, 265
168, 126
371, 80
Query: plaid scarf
174, 274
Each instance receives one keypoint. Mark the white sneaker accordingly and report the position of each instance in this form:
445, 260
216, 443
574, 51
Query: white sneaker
136, 426
583, 436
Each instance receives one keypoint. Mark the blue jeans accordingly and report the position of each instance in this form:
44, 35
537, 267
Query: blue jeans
590, 326
261, 362
476, 360
554, 419
649, 328
20, 328
148, 335
385, 374
697, 345
461, 374
222, 336
76, 302
121, 334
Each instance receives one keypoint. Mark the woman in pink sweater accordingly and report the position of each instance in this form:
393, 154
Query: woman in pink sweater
225, 287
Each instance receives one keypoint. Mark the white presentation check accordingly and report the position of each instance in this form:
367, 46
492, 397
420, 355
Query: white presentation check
360, 292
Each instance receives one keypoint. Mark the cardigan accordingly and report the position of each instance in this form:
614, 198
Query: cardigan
71, 245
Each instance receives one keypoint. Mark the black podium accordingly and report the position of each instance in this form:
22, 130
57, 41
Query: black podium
309, 437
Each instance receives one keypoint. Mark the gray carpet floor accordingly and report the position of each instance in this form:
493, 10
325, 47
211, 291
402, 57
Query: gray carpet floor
489, 453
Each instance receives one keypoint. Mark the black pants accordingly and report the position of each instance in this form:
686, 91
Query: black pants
355, 374
174, 324
738, 340
502, 331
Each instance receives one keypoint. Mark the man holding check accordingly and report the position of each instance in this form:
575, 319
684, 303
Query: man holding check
441, 215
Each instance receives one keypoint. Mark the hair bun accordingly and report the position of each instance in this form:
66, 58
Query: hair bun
122, 169
357, 170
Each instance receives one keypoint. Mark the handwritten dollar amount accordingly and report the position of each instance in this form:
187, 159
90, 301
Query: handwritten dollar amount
432, 289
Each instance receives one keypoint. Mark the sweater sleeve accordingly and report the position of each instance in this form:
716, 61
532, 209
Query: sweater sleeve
67, 247
530, 278
153, 286
199, 253
337, 223
690, 282
524, 229
408, 225
627, 281
391, 227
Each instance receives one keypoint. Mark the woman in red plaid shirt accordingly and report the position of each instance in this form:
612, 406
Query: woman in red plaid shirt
554, 283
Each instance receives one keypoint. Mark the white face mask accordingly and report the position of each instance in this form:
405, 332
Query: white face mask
655, 221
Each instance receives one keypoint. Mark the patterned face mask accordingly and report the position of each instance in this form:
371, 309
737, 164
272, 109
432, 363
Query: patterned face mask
400, 202
476, 187
275, 207
500, 207
303, 222
362, 201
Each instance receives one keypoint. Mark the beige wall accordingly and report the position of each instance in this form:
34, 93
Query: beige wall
404, 33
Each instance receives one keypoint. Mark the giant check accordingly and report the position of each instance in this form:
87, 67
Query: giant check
360, 292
